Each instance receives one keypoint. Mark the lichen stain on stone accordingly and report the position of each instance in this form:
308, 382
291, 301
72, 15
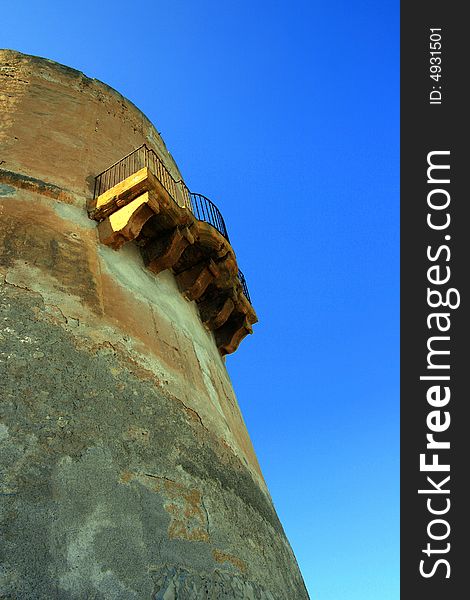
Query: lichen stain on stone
222, 557
188, 518
126, 476
184, 505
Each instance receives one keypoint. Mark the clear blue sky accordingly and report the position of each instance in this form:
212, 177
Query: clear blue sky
286, 115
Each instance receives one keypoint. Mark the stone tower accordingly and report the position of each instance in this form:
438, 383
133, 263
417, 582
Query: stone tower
127, 470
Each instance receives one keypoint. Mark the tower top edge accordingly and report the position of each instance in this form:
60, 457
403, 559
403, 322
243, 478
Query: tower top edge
7, 54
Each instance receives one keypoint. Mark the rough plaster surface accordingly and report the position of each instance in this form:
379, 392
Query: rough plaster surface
127, 471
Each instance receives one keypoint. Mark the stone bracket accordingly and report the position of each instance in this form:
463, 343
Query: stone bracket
229, 336
164, 251
126, 223
194, 281
215, 311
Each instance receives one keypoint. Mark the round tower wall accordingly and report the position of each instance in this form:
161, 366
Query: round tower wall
128, 468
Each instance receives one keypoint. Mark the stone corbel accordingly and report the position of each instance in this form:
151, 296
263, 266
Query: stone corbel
194, 281
164, 251
215, 311
125, 224
229, 336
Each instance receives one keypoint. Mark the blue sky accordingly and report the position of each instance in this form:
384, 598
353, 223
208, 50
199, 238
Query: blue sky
286, 114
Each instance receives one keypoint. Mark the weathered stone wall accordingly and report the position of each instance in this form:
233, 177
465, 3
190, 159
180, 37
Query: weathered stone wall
127, 468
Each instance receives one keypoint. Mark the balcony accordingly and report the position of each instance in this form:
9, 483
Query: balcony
138, 199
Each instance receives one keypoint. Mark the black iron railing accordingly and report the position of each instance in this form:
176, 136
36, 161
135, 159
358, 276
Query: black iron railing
134, 161
242, 280
202, 208
205, 210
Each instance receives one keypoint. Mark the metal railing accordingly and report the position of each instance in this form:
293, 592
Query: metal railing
205, 210
134, 161
201, 207
242, 280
